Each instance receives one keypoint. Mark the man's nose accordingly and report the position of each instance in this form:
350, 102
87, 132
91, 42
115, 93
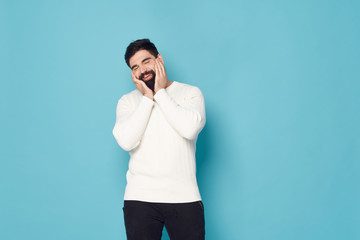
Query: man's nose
142, 69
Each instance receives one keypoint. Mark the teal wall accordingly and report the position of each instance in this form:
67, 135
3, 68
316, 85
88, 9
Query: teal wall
278, 158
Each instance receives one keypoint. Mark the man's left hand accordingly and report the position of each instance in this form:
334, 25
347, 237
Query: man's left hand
161, 76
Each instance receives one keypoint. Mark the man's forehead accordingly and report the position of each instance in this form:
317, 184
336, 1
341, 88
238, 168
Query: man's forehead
139, 56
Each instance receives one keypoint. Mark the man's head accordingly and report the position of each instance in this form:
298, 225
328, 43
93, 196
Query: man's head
140, 56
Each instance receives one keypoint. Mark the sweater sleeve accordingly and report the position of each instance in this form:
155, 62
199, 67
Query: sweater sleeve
131, 122
187, 119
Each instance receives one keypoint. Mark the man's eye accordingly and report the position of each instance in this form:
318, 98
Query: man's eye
135, 68
146, 62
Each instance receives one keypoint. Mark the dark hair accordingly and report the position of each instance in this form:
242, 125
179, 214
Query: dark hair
141, 44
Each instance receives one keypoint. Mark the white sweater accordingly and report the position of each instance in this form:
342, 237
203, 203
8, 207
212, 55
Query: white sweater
161, 136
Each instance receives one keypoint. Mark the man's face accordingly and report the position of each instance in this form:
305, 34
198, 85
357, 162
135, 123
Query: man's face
142, 65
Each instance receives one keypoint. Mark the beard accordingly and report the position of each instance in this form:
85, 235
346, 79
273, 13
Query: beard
151, 82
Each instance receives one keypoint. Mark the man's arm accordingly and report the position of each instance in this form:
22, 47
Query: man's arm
131, 122
187, 119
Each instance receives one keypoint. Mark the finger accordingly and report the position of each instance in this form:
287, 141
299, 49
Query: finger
139, 82
133, 77
157, 69
145, 87
161, 59
162, 67
158, 63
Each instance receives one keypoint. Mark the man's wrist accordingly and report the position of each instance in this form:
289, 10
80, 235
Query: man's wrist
159, 93
149, 95
159, 89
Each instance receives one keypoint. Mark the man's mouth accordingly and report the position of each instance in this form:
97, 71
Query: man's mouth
147, 76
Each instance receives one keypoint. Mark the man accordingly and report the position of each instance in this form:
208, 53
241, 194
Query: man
158, 123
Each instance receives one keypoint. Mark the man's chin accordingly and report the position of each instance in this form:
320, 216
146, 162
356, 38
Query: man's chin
150, 83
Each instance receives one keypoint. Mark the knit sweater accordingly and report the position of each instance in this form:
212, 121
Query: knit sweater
161, 136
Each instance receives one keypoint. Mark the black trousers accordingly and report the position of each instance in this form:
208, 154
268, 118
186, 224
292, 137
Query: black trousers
145, 220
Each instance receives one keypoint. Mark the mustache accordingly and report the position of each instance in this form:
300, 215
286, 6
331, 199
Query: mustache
141, 77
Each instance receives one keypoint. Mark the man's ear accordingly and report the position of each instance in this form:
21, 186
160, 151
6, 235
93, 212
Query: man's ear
161, 58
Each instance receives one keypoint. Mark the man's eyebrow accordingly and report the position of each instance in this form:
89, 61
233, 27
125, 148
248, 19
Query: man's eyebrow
141, 61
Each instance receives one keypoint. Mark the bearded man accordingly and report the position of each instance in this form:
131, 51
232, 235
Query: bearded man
158, 124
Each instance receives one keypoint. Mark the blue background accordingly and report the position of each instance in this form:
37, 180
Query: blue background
278, 157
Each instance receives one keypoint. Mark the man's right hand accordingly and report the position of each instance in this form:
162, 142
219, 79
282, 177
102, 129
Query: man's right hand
141, 86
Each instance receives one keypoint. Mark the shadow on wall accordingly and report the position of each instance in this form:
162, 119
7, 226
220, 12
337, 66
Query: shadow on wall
209, 140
